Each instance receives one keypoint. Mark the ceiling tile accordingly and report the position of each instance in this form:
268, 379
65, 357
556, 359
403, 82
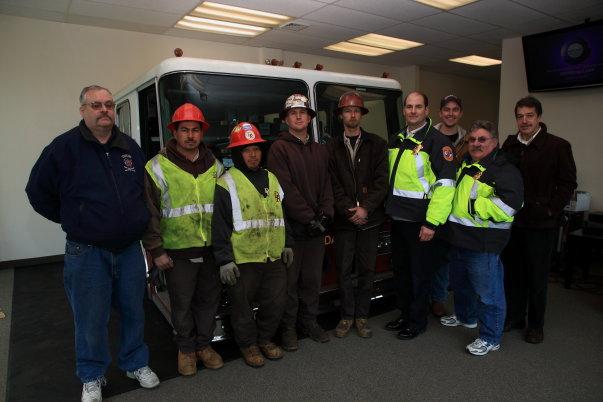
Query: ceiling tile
416, 33
469, 46
433, 52
172, 7
289, 39
328, 31
553, 7
121, 13
495, 36
206, 36
292, 8
401, 10
350, 18
113, 24
540, 25
32, 13
60, 6
578, 16
454, 24
498, 12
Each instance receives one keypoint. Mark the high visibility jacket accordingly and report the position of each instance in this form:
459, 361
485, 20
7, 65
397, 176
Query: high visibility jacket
488, 194
422, 177
258, 222
187, 203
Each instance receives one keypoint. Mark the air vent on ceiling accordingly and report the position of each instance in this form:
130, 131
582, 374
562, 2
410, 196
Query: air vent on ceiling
292, 26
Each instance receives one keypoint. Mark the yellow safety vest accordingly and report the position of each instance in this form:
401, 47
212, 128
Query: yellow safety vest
258, 222
187, 203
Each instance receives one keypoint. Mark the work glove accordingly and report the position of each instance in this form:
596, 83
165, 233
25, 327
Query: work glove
287, 256
229, 273
315, 228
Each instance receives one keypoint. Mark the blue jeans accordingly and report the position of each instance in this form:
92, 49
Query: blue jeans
477, 280
439, 284
96, 279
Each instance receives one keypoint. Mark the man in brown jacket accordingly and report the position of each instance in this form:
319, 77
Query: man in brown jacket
179, 186
358, 167
302, 168
549, 176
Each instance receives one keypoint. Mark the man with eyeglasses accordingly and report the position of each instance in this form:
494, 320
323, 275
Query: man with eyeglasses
421, 177
90, 180
489, 191
451, 111
549, 174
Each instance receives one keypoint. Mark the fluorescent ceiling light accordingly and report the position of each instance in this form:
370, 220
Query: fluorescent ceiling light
476, 61
220, 27
355, 48
385, 42
224, 12
445, 4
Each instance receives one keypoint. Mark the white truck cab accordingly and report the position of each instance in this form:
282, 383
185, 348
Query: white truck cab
230, 92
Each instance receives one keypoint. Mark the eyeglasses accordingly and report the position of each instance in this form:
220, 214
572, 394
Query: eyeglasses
481, 140
109, 105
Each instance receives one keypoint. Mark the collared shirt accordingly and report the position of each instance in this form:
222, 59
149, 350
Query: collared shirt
411, 133
352, 149
527, 142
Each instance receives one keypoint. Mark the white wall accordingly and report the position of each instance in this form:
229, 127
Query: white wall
572, 114
43, 67
480, 98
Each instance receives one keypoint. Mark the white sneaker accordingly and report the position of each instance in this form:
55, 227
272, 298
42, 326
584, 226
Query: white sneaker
479, 347
145, 376
452, 321
91, 391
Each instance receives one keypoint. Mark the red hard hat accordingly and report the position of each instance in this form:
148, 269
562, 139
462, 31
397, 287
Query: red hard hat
188, 112
351, 98
244, 134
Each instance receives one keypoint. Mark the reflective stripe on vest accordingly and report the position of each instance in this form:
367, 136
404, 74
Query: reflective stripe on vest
237, 214
167, 210
505, 208
479, 223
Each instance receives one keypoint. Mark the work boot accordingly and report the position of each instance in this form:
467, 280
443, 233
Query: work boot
210, 358
363, 329
343, 328
187, 363
315, 332
534, 335
252, 356
438, 309
289, 339
271, 351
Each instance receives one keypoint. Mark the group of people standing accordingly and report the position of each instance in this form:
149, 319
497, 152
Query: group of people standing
452, 197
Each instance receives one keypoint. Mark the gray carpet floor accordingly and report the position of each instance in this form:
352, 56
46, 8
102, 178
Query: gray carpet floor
567, 366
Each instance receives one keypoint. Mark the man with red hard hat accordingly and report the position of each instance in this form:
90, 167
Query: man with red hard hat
302, 168
250, 246
180, 187
358, 166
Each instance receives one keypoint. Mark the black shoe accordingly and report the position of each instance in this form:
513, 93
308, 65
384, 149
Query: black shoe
534, 335
511, 325
409, 333
397, 324
315, 332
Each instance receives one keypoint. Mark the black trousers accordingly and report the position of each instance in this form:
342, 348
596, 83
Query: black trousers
264, 285
195, 291
414, 263
356, 250
527, 260
304, 280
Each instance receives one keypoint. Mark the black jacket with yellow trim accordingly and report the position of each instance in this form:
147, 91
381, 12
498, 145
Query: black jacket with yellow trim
434, 143
506, 180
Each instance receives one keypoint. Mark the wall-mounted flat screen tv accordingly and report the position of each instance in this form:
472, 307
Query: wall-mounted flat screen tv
565, 58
